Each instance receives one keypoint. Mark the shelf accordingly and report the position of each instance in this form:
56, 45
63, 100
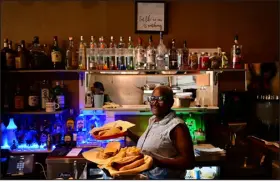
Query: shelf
44, 71
35, 112
158, 72
128, 72
144, 110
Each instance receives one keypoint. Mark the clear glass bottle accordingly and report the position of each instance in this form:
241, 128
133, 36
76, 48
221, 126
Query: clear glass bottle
160, 54
71, 56
93, 53
112, 54
121, 58
151, 55
173, 57
102, 54
130, 53
82, 55
140, 56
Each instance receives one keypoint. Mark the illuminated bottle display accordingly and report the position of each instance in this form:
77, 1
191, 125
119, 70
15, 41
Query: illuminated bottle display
11, 129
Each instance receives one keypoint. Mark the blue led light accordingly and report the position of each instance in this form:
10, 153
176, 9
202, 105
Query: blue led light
12, 125
28, 148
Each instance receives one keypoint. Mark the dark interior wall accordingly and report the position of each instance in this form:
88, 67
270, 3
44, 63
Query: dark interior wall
204, 24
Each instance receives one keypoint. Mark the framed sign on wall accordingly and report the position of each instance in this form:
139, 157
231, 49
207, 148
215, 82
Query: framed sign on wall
150, 16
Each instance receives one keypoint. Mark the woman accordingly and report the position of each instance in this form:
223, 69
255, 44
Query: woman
98, 89
166, 139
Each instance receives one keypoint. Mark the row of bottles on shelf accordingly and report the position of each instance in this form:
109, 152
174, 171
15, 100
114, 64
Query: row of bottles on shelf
46, 134
40, 96
268, 98
116, 56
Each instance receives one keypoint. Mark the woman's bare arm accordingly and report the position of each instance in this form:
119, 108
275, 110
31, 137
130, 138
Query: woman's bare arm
132, 136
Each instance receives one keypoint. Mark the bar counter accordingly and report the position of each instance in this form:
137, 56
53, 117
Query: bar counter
58, 166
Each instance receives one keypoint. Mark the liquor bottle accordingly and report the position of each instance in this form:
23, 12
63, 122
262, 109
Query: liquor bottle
19, 99
6, 95
45, 93
185, 57
33, 98
112, 43
173, 57
57, 131
71, 56
44, 132
59, 96
112, 54
65, 92
82, 55
101, 52
70, 123
10, 56
93, 43
22, 56
56, 55
236, 54
102, 45
49, 142
39, 58
93, 53
151, 55
121, 59
225, 62
3, 55
88, 99
129, 57
81, 129
161, 52
140, 55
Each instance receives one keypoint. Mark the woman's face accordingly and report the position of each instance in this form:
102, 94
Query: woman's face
158, 107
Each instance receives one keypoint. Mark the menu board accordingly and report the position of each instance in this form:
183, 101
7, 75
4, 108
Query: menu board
150, 16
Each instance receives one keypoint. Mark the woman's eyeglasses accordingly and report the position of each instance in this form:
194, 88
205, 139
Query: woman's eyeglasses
159, 99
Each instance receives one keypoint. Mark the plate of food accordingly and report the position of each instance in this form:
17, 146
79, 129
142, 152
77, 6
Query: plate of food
119, 161
111, 130
110, 105
102, 156
130, 162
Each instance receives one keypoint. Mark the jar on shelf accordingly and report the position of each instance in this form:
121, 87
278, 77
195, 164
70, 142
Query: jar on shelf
194, 61
215, 61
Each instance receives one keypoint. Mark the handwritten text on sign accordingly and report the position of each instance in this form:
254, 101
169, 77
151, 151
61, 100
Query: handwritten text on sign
150, 17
